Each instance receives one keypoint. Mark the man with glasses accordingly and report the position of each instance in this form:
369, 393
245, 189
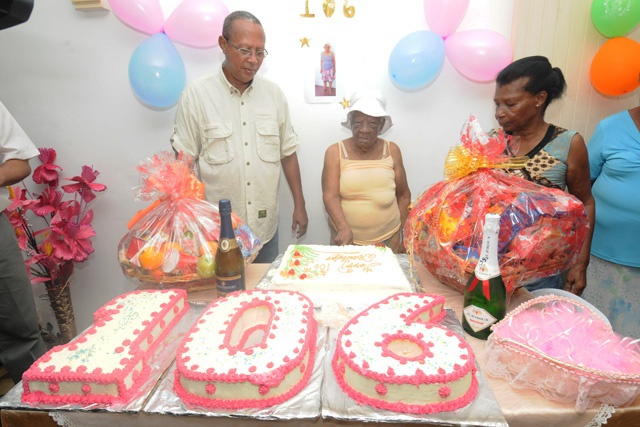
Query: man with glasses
236, 125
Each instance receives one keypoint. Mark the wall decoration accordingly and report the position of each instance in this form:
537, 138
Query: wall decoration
345, 103
322, 84
156, 70
616, 65
615, 18
478, 55
416, 60
304, 42
329, 7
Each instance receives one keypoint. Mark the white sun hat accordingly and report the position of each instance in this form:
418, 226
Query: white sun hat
370, 102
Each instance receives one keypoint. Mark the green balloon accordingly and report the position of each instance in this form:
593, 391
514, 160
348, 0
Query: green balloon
615, 18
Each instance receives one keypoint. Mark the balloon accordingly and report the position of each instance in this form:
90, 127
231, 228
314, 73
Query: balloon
416, 60
444, 16
615, 68
614, 18
142, 15
196, 23
156, 72
478, 55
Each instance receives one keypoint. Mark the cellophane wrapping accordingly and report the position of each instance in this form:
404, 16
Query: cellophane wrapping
562, 349
541, 229
173, 242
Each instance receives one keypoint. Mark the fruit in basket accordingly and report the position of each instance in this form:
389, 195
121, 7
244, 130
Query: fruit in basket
210, 247
151, 258
206, 267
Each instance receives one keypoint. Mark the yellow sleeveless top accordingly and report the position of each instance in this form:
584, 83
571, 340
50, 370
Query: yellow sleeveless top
368, 197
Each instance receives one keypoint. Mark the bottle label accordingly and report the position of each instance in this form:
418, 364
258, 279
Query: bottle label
227, 244
226, 285
478, 318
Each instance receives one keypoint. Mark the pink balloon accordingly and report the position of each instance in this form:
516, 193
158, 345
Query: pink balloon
444, 16
142, 15
478, 54
196, 23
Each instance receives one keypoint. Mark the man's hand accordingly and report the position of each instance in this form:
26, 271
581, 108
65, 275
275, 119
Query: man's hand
300, 222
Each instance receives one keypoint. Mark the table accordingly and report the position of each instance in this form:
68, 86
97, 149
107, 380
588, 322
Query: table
521, 408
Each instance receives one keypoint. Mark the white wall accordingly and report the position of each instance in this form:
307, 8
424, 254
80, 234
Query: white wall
63, 75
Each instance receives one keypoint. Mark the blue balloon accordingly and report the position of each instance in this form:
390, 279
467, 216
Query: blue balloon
156, 72
416, 60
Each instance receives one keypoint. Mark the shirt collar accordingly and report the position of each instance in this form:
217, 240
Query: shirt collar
232, 89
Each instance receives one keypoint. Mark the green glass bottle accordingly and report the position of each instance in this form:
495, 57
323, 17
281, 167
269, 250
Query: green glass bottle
485, 296
229, 261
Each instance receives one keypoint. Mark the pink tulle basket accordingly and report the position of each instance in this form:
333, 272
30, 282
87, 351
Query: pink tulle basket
565, 351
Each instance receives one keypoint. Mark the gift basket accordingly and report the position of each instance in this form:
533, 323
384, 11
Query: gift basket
541, 229
172, 243
565, 351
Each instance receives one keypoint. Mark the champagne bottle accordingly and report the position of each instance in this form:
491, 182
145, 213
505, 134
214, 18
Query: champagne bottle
229, 261
485, 296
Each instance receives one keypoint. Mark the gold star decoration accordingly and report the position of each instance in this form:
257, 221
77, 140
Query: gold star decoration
344, 103
304, 41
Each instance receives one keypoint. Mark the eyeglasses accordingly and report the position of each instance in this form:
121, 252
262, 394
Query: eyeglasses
260, 54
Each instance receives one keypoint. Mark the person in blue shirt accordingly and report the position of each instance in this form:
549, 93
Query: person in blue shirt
614, 269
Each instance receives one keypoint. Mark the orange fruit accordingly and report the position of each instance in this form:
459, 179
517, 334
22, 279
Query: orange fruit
150, 258
170, 246
211, 245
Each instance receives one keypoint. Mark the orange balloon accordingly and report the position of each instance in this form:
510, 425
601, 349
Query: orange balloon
615, 68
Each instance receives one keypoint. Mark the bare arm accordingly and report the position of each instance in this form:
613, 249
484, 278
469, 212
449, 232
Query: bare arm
579, 184
291, 170
403, 193
13, 171
331, 195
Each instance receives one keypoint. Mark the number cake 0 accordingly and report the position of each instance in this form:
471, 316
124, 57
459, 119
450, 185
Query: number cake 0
395, 356
251, 349
350, 275
109, 361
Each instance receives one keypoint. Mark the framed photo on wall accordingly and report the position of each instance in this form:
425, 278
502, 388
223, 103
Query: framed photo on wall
322, 83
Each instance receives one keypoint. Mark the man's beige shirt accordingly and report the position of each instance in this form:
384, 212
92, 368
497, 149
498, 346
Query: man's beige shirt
238, 141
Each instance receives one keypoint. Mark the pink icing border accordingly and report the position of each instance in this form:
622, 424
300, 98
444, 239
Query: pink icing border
341, 358
271, 378
101, 316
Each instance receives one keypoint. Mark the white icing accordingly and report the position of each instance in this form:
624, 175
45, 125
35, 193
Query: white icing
206, 348
354, 276
105, 348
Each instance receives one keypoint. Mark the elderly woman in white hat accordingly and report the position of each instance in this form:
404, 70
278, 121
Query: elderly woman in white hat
364, 183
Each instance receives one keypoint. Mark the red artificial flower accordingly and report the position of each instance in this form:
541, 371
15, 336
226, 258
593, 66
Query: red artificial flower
65, 238
47, 172
85, 184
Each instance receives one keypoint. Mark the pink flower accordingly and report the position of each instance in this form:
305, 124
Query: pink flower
46, 173
65, 236
85, 185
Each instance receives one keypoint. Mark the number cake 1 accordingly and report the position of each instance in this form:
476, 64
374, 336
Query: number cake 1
109, 361
395, 356
354, 276
251, 349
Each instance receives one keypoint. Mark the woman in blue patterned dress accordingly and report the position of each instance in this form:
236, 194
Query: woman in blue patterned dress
558, 157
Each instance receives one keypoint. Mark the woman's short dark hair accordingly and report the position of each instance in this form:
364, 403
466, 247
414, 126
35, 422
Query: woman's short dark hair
542, 77
234, 16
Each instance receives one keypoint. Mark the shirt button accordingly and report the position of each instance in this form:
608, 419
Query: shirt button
248, 203
248, 163
246, 143
248, 183
244, 123
242, 103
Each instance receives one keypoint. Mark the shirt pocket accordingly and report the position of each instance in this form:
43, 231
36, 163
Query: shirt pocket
216, 144
268, 141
